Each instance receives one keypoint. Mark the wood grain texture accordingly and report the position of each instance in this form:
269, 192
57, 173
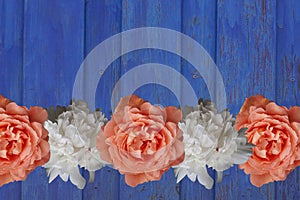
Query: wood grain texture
11, 68
256, 45
199, 22
246, 50
157, 13
53, 51
102, 20
288, 78
11, 49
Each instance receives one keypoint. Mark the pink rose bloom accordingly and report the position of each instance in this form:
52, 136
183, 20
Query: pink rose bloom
23, 140
142, 141
275, 132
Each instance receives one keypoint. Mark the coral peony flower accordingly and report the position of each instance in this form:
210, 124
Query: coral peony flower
210, 140
23, 140
275, 132
142, 141
72, 138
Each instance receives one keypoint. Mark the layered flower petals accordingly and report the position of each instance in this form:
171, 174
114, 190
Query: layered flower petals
142, 141
210, 140
274, 130
23, 140
73, 143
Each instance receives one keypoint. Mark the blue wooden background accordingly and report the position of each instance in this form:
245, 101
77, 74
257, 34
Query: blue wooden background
255, 43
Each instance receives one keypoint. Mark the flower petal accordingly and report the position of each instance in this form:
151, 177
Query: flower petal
38, 114
13, 109
134, 179
132, 101
77, 179
204, 178
273, 109
259, 180
256, 101
173, 114
294, 114
3, 101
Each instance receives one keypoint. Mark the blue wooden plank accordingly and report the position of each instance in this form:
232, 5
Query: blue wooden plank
198, 22
245, 52
162, 14
11, 67
246, 56
11, 49
103, 19
288, 78
53, 52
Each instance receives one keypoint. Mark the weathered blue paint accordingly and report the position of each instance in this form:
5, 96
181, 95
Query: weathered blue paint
53, 50
199, 22
102, 20
11, 62
256, 45
288, 77
246, 49
151, 13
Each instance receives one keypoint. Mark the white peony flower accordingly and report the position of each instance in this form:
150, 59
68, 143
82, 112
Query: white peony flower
210, 140
72, 140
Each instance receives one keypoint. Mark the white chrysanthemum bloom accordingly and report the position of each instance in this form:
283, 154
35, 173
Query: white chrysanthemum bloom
210, 140
72, 142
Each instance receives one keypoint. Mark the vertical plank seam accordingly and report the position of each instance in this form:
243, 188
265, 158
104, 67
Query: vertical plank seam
276, 50
84, 45
181, 72
215, 60
83, 57
119, 75
22, 72
23, 36
276, 70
